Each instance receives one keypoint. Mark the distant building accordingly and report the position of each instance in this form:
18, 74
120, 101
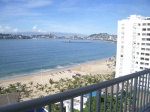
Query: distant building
133, 45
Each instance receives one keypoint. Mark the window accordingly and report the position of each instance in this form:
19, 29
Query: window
143, 29
133, 43
146, 54
148, 24
138, 34
146, 63
141, 63
148, 34
142, 48
142, 53
147, 59
122, 46
141, 67
121, 55
148, 29
144, 24
143, 38
142, 58
122, 28
148, 44
142, 43
148, 39
139, 24
148, 49
143, 34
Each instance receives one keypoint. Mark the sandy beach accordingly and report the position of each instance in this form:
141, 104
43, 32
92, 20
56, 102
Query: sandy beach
104, 66
94, 67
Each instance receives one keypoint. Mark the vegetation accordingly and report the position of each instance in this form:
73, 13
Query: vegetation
31, 90
102, 104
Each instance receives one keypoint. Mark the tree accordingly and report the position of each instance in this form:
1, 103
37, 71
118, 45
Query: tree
2, 90
51, 81
102, 104
31, 83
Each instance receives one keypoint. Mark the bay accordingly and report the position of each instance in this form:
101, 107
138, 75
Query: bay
28, 56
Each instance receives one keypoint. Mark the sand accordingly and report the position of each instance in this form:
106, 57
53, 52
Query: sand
104, 66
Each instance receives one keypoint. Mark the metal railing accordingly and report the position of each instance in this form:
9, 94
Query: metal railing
130, 93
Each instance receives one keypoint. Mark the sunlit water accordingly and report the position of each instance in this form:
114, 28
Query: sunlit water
27, 56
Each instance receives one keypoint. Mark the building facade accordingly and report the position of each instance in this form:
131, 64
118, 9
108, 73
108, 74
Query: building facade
133, 45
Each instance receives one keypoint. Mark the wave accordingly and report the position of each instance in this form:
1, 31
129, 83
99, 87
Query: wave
59, 66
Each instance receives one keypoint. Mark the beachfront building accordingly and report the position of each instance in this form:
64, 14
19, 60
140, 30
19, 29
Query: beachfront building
133, 45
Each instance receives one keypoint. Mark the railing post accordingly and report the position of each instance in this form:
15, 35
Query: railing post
90, 102
71, 105
49, 108
61, 106
97, 100
134, 95
147, 98
81, 103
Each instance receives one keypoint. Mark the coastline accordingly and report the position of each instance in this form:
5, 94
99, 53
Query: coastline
92, 67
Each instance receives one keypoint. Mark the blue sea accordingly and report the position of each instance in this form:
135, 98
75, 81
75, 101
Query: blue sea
20, 57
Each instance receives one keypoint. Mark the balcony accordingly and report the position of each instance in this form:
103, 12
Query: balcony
128, 93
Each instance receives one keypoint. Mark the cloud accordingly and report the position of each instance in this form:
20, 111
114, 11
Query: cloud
34, 27
7, 29
16, 8
15, 30
27, 3
38, 3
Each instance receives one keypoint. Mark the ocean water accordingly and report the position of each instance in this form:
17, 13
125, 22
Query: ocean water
27, 56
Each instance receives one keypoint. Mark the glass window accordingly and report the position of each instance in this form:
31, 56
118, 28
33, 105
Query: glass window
147, 59
142, 48
143, 34
141, 67
146, 54
148, 39
141, 63
143, 29
148, 34
146, 63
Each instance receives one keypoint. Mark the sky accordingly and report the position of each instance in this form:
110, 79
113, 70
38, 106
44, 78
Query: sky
68, 16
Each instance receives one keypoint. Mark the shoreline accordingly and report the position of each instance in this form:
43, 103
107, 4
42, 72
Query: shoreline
55, 74
50, 69
41, 80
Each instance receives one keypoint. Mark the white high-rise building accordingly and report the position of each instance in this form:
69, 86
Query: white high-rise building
133, 45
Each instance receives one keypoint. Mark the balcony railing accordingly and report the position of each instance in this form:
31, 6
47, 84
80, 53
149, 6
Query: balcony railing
130, 93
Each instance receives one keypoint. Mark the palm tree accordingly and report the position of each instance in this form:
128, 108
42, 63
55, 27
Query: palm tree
18, 84
2, 90
51, 81
31, 83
